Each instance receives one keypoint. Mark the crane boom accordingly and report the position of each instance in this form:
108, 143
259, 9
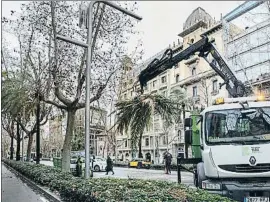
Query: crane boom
234, 86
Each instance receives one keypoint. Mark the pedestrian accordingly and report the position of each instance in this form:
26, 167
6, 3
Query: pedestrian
79, 167
164, 159
168, 162
109, 165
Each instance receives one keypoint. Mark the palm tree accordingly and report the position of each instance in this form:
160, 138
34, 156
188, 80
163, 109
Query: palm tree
135, 115
183, 103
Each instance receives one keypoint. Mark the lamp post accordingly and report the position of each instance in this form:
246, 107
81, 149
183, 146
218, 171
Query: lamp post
38, 129
88, 45
184, 116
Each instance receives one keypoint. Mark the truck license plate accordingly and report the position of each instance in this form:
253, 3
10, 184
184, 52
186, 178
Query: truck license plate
256, 199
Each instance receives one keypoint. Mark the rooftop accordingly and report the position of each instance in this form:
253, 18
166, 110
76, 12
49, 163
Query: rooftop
198, 18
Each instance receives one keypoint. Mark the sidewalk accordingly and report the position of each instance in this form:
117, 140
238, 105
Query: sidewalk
14, 190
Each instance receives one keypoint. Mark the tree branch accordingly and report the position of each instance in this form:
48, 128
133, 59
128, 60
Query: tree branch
54, 103
57, 91
99, 92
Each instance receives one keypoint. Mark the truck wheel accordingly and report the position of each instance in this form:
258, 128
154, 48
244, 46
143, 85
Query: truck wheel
200, 174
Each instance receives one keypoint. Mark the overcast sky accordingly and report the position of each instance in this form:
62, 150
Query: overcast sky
162, 20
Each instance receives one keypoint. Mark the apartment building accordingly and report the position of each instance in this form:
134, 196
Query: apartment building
194, 76
98, 136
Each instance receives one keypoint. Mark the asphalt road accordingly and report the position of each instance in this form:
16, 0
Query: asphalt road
187, 178
14, 190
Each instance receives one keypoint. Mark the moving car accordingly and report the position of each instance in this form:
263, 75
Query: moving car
139, 163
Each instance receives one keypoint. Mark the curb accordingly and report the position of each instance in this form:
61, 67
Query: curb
47, 194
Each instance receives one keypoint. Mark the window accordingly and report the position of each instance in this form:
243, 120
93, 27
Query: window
215, 86
191, 41
180, 135
154, 84
126, 143
151, 141
147, 142
164, 140
125, 96
195, 91
145, 87
193, 71
177, 78
163, 79
231, 126
164, 93
131, 93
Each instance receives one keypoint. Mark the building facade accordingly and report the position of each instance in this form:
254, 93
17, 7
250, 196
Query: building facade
194, 76
248, 53
98, 134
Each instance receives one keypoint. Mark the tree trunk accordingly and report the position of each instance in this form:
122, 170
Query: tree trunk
103, 148
67, 142
11, 149
29, 146
18, 154
140, 146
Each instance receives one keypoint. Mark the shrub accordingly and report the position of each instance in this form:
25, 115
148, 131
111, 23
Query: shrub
110, 189
156, 166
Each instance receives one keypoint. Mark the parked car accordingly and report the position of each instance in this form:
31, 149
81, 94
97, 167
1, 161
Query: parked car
73, 162
99, 164
139, 163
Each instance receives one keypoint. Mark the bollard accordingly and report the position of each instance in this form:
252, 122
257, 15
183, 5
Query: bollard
178, 168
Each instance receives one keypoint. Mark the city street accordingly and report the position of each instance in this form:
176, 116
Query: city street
14, 190
124, 173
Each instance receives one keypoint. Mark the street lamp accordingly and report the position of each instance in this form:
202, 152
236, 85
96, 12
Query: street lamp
88, 69
184, 116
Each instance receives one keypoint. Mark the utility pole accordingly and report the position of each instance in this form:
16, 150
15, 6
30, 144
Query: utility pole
184, 116
88, 45
154, 157
38, 129
23, 136
11, 148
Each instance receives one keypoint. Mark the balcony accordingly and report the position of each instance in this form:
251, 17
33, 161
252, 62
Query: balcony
193, 79
121, 137
123, 149
215, 92
196, 99
179, 140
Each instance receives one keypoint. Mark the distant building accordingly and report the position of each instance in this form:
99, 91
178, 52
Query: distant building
98, 135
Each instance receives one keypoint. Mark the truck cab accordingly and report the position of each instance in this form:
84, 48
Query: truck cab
235, 148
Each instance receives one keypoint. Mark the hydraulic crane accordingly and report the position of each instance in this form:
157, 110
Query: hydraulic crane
204, 46
231, 139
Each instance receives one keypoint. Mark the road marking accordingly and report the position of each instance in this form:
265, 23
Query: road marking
43, 199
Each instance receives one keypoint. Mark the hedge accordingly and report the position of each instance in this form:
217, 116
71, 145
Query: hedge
156, 166
110, 189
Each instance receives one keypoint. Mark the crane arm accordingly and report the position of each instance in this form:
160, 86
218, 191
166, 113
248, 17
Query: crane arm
235, 87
